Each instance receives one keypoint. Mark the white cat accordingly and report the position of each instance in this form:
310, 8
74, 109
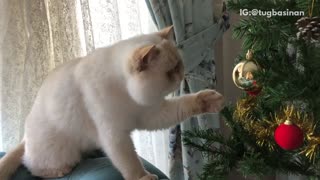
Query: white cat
98, 100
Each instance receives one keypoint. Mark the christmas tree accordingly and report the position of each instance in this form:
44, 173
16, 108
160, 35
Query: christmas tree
275, 124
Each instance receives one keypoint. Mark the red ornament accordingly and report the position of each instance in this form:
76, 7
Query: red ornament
288, 136
254, 91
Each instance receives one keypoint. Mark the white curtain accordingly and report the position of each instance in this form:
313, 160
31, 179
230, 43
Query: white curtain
36, 36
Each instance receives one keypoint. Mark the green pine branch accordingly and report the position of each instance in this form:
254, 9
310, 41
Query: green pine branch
285, 78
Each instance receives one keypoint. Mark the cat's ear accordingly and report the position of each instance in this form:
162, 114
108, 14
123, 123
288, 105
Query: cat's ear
167, 33
143, 57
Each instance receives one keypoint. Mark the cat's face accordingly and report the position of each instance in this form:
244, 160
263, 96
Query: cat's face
155, 70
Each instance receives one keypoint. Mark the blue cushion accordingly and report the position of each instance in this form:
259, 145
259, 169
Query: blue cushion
93, 167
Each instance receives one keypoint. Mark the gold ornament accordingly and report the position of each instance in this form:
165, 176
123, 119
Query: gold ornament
242, 74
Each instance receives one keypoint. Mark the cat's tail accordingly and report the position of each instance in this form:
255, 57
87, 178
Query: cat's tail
11, 161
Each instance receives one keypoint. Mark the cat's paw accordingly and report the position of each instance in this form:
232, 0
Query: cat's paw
149, 177
209, 101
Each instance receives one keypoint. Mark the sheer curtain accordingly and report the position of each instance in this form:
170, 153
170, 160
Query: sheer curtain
37, 36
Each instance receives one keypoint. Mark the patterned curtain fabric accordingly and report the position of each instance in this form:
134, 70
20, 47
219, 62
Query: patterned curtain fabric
196, 31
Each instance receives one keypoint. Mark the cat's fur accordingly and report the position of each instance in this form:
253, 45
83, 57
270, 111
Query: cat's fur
98, 100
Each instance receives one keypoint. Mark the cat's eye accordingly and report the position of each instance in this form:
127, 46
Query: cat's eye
177, 67
174, 70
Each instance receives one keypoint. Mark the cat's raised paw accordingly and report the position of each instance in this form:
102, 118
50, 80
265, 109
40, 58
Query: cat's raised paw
209, 101
149, 177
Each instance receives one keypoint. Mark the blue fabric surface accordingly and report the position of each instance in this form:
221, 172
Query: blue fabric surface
94, 167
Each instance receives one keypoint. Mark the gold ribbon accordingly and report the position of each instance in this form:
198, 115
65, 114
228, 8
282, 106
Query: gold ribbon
311, 9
